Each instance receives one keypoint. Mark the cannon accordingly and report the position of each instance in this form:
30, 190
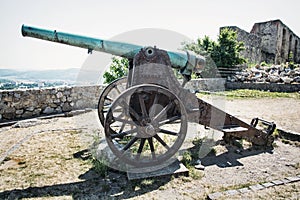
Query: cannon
146, 122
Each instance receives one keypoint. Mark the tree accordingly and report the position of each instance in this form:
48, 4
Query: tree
225, 52
117, 69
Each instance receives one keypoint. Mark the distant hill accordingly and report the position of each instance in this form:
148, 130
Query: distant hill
41, 75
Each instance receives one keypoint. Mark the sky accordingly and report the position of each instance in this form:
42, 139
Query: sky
108, 18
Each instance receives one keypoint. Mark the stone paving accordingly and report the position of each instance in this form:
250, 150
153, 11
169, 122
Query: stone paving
253, 188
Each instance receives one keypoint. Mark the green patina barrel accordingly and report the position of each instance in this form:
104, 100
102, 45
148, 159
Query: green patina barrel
186, 62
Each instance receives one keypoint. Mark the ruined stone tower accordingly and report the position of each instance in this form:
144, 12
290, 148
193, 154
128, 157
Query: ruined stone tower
270, 41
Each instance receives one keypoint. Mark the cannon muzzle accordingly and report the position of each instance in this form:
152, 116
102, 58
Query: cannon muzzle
186, 62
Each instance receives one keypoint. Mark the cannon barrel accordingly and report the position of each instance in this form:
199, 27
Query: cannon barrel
186, 62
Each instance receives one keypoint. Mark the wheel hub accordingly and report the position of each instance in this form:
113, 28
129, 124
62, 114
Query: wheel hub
146, 131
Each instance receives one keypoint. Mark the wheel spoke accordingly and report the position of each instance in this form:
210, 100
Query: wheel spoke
106, 109
150, 141
168, 132
108, 95
117, 119
154, 107
108, 98
122, 127
163, 112
129, 144
117, 110
131, 110
122, 134
155, 99
143, 106
170, 120
118, 91
139, 152
162, 142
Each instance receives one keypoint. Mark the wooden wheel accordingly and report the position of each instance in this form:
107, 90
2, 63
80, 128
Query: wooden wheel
108, 95
146, 125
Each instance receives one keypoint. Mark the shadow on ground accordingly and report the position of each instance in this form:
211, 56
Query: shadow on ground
114, 185
232, 155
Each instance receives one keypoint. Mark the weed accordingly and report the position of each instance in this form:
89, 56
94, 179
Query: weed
105, 187
100, 166
197, 141
147, 182
187, 159
186, 179
263, 64
235, 187
276, 133
213, 151
195, 174
163, 187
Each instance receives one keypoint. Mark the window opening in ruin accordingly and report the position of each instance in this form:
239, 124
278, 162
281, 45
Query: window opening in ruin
283, 44
290, 53
295, 51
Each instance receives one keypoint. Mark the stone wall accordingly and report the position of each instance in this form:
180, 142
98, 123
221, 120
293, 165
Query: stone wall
206, 84
20, 104
278, 40
272, 87
221, 84
270, 41
16, 104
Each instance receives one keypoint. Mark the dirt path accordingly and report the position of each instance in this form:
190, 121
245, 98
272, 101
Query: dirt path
285, 112
49, 161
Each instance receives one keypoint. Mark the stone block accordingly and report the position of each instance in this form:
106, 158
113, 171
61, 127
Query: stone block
19, 112
27, 114
59, 95
37, 112
67, 92
231, 192
9, 110
31, 108
53, 91
214, 196
293, 179
243, 190
48, 110
268, 184
66, 107
17, 95
64, 99
285, 181
53, 105
58, 110
8, 98
69, 99
57, 101
277, 182
256, 187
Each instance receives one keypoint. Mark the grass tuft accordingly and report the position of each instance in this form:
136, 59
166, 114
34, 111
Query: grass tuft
246, 93
100, 166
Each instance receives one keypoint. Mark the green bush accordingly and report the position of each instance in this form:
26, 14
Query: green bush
225, 52
118, 69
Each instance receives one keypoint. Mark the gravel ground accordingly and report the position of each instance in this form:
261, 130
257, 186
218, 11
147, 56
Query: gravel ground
48, 161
